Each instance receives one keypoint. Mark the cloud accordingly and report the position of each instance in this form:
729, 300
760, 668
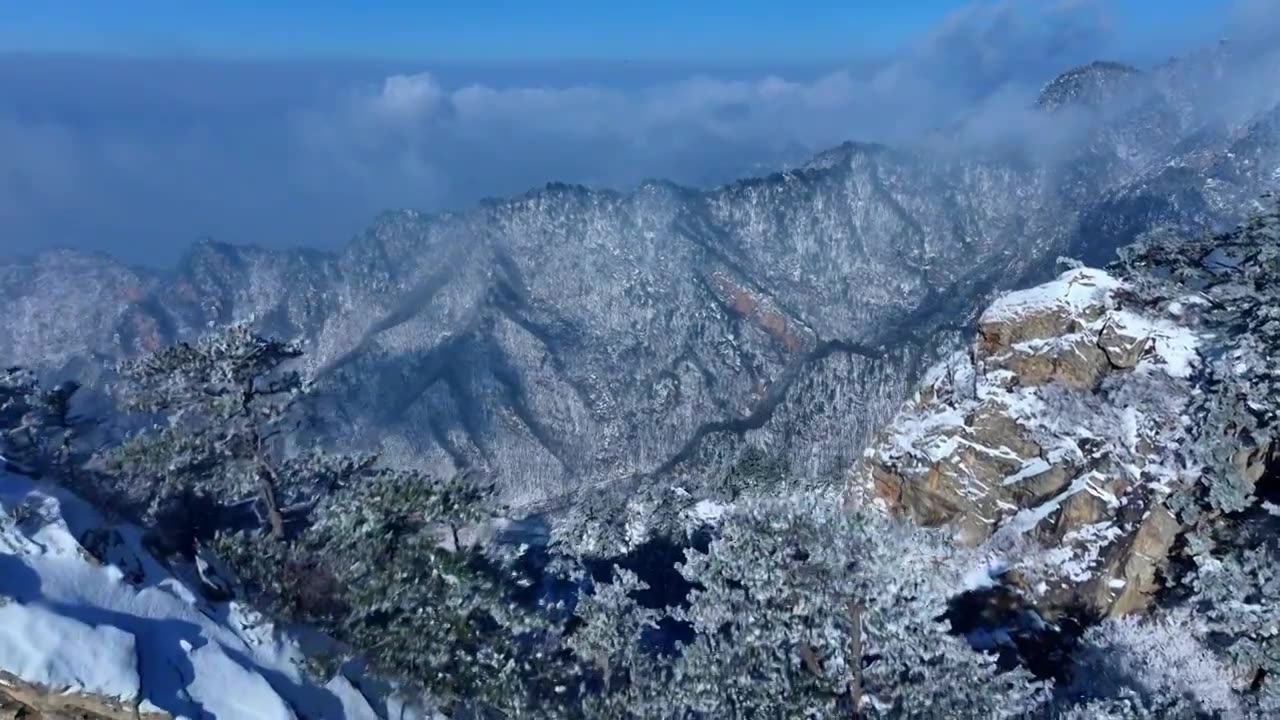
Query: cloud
986, 49
985, 46
139, 157
408, 96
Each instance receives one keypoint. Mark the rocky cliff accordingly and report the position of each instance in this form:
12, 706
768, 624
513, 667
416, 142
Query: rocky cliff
1096, 420
1053, 435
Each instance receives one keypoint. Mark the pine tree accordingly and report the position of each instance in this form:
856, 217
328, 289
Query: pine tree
1225, 582
40, 435
1156, 664
393, 566
222, 409
804, 610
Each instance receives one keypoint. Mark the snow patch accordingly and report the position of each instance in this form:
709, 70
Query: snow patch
1176, 347
709, 510
34, 643
1028, 518
927, 434
1031, 469
354, 704
69, 622
1129, 428
985, 575
1074, 291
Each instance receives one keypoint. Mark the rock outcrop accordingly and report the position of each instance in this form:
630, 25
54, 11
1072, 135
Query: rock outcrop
22, 700
1050, 441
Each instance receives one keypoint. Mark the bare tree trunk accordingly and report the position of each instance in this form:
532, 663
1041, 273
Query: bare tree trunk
267, 483
855, 658
810, 659
266, 478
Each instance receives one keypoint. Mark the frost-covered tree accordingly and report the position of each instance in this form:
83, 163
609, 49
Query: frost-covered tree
1157, 664
754, 469
1234, 592
393, 566
1125, 705
40, 434
23, 438
393, 563
803, 610
222, 410
625, 679
1226, 579
822, 605
1234, 279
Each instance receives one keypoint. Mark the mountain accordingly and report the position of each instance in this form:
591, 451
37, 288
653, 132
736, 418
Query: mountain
572, 337
1095, 86
1106, 444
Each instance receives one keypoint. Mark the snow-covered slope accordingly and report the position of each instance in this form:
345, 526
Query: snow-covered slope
92, 623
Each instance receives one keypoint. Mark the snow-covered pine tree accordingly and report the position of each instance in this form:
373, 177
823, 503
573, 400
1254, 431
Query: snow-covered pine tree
1226, 582
395, 566
803, 610
222, 410
1155, 664
1235, 277
43, 436
38, 430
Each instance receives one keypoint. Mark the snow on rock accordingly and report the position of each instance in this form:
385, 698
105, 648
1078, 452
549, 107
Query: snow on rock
355, 706
1072, 294
33, 642
1052, 442
74, 624
1173, 345
709, 511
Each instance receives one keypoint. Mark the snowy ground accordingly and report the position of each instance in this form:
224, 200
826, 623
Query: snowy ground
128, 628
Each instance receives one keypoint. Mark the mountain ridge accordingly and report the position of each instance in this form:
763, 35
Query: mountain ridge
570, 335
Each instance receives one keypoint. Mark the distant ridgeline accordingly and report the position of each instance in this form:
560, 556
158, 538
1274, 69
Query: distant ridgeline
572, 338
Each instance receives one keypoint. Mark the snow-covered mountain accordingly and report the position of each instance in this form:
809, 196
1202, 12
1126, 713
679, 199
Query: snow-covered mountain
1107, 439
1105, 445
572, 337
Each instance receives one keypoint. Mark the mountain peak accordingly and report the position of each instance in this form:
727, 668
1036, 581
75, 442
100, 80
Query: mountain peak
841, 154
1090, 85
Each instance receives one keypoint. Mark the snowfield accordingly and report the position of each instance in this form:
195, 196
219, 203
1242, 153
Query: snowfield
129, 630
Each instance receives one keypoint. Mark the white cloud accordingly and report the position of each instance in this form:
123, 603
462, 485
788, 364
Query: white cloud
408, 96
142, 156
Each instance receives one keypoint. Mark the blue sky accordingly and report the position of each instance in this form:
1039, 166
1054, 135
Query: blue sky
136, 126
706, 32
